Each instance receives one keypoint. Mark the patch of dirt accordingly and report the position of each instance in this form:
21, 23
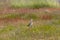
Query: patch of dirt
15, 22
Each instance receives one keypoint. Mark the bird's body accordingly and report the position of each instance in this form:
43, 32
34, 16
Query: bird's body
30, 23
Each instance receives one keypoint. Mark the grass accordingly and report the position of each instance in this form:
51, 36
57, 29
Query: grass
34, 4
41, 29
23, 32
7, 29
20, 15
35, 16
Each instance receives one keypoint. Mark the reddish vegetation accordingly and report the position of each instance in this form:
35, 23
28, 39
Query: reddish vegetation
46, 17
16, 21
25, 10
12, 19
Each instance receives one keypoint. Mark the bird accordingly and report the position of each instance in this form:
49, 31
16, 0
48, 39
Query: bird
30, 23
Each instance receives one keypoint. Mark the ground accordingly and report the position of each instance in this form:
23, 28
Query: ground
46, 24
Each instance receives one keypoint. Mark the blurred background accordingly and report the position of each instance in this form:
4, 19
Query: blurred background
15, 15
30, 3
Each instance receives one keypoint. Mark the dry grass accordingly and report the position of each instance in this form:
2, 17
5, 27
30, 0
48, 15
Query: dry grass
41, 30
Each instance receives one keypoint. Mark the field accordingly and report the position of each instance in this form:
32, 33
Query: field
13, 24
16, 14
30, 3
35, 3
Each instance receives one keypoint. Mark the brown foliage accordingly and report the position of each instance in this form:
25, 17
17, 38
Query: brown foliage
46, 17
